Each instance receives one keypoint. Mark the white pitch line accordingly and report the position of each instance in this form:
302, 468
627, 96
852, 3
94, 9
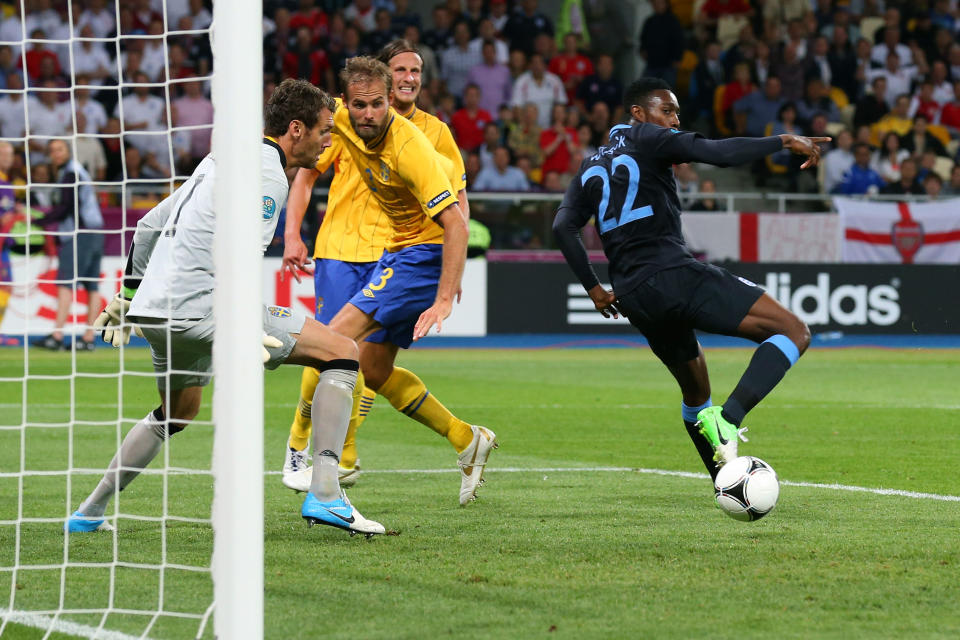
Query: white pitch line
677, 474
46, 623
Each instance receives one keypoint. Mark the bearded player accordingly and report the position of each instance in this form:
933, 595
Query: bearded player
346, 261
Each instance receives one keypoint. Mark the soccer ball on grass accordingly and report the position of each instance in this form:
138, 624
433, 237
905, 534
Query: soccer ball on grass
746, 488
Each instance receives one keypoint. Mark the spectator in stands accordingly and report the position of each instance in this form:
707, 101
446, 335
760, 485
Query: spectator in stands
517, 64
468, 122
927, 164
524, 137
89, 151
817, 100
899, 78
873, 105
308, 62
278, 43
688, 183
501, 176
733, 91
493, 78
95, 116
708, 75
923, 103
403, 17
194, 109
889, 157
920, 140
706, 204
713, 11
313, 18
130, 61
786, 122
78, 258
559, 143
843, 64
753, 112
37, 53
154, 60
143, 15
571, 66
457, 61
525, 25
601, 86
361, 14
200, 16
906, 183
13, 116
607, 23
486, 32
861, 177
101, 21
351, 47
600, 122
383, 32
585, 137
91, 59
8, 65
950, 114
790, 70
49, 117
473, 15
471, 166
197, 47
932, 185
943, 91
837, 161
953, 187
891, 45
661, 43
146, 115
438, 38
492, 139
41, 15
540, 87
896, 121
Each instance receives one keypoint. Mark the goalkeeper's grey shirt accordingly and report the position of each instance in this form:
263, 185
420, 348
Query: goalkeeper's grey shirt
173, 244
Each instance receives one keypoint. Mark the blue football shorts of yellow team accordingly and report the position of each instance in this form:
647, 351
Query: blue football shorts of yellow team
394, 290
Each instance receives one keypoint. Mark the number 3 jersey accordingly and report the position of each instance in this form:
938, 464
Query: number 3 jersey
629, 187
173, 245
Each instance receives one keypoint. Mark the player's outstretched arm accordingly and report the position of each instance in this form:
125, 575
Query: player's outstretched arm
676, 147
295, 257
455, 234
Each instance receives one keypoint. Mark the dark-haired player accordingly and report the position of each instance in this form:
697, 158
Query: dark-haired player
168, 292
629, 187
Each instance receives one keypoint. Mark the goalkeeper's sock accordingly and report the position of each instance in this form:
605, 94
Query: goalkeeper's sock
300, 429
407, 393
141, 445
332, 403
703, 446
363, 404
769, 364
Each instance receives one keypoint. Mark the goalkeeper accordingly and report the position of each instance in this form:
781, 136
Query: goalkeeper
168, 292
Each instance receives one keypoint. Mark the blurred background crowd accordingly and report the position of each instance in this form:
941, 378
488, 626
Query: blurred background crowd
528, 87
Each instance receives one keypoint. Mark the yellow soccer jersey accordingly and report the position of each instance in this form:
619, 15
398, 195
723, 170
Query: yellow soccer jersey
410, 180
438, 133
354, 228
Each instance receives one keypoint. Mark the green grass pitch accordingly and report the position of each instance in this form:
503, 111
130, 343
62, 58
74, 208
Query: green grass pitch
541, 554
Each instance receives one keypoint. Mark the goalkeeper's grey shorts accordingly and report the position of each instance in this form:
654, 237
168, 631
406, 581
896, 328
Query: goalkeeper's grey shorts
183, 351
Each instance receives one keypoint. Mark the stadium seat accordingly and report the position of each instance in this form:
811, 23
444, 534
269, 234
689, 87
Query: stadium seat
943, 167
940, 133
774, 168
869, 26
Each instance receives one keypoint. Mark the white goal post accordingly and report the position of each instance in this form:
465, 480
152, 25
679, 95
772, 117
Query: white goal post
238, 374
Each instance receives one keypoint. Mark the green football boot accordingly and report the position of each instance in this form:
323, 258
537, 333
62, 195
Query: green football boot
721, 435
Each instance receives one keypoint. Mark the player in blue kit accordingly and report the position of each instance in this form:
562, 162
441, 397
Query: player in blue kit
629, 187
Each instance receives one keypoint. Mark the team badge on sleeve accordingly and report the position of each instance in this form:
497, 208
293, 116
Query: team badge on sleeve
279, 312
269, 207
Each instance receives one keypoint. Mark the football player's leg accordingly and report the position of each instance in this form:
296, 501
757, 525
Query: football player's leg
783, 338
695, 388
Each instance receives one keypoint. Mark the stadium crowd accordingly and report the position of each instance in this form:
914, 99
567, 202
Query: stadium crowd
527, 92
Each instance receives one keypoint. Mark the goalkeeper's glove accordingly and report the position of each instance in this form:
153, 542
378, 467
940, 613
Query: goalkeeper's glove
111, 322
273, 343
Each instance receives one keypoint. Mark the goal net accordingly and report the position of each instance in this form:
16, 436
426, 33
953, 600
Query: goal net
106, 107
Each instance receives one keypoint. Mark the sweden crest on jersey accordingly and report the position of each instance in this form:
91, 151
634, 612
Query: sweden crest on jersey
279, 312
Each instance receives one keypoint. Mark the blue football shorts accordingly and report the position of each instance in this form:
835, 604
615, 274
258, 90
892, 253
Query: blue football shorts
335, 282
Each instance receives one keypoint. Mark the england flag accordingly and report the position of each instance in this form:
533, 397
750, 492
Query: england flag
900, 232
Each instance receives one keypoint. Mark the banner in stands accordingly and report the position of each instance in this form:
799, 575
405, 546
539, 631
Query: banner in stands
33, 303
546, 298
764, 237
900, 232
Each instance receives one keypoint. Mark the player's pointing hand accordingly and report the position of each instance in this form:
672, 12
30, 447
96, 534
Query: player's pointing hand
804, 146
295, 258
435, 315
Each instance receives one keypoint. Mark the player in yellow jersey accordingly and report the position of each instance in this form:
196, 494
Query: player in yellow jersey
383, 177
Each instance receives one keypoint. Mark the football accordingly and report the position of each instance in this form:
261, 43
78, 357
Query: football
746, 488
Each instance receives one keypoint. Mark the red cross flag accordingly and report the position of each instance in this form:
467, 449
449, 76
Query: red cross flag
900, 232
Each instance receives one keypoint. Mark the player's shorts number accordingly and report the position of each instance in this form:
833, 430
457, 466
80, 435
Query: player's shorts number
607, 221
386, 275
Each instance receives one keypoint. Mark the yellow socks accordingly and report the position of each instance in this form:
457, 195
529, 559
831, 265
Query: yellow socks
301, 427
4, 299
408, 395
362, 403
